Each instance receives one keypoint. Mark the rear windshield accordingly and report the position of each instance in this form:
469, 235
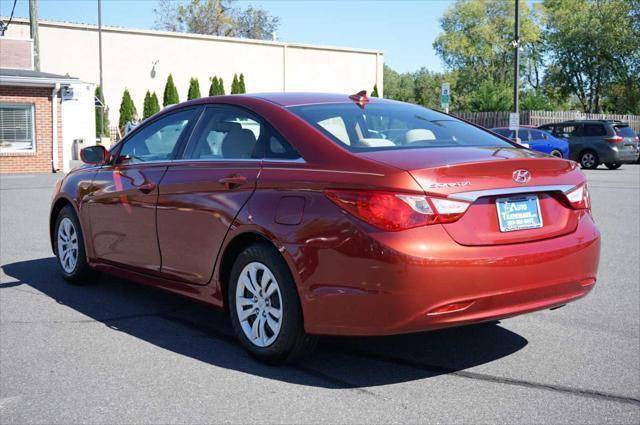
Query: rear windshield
624, 131
393, 126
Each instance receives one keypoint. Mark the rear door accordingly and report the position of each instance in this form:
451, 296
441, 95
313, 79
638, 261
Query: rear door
202, 193
539, 141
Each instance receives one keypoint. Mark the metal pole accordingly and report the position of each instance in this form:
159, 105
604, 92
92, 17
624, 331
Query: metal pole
100, 59
33, 25
516, 71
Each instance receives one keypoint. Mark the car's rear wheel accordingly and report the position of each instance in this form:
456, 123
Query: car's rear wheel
69, 246
589, 160
264, 306
613, 165
557, 153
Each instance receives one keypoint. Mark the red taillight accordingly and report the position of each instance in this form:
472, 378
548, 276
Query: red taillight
579, 197
615, 139
397, 211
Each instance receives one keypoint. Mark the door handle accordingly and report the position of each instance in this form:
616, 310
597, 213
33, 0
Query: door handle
233, 181
147, 187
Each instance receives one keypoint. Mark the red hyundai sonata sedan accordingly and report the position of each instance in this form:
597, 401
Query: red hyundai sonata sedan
317, 214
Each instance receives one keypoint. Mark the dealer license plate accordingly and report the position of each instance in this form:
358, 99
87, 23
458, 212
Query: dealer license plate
519, 213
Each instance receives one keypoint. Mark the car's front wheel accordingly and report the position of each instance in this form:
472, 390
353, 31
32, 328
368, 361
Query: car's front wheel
589, 160
69, 247
264, 306
613, 165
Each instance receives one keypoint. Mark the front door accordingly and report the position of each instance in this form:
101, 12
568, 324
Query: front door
122, 205
201, 194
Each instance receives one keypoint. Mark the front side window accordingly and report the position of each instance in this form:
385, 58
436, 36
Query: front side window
156, 141
16, 128
393, 126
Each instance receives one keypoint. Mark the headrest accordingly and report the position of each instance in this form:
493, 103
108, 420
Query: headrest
238, 143
418, 134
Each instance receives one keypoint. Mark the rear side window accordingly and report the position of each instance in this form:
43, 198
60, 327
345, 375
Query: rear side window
594, 130
503, 131
225, 133
624, 131
385, 126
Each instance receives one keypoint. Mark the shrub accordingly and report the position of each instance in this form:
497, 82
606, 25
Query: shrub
170, 93
235, 86
154, 105
241, 86
213, 88
105, 132
374, 93
194, 89
127, 108
146, 105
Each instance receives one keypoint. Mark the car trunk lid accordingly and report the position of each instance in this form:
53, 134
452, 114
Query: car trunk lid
484, 176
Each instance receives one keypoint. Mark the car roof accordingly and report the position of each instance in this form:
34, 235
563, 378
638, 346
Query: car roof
614, 122
307, 98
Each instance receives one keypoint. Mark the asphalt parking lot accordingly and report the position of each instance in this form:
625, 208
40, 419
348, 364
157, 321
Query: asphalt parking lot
116, 352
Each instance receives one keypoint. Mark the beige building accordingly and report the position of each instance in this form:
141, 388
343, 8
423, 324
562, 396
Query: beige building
141, 60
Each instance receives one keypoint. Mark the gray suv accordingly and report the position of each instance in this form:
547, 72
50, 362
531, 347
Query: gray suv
593, 142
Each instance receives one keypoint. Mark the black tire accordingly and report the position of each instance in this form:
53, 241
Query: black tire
589, 160
81, 273
291, 343
556, 153
613, 165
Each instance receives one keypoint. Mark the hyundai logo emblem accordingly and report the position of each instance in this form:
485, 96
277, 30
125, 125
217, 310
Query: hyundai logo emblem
521, 176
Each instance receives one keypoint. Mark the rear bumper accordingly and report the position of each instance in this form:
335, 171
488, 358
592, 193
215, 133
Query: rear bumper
395, 282
623, 156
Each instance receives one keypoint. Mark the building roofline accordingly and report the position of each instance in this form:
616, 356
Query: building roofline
123, 30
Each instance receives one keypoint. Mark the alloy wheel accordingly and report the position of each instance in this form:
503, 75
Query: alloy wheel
67, 245
259, 304
588, 160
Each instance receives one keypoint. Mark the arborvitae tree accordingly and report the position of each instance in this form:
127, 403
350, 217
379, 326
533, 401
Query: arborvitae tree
170, 93
213, 88
194, 89
241, 86
374, 93
105, 132
146, 107
235, 85
126, 109
221, 87
154, 105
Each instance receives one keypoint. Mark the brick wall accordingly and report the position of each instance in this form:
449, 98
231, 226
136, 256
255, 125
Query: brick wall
40, 160
16, 54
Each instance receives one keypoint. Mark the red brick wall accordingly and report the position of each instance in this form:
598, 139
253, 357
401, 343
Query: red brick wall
16, 54
40, 160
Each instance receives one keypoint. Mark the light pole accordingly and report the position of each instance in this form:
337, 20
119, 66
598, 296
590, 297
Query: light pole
516, 70
100, 60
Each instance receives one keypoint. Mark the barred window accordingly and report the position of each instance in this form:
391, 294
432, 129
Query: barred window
16, 128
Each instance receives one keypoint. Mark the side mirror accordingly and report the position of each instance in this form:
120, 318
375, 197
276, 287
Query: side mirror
94, 155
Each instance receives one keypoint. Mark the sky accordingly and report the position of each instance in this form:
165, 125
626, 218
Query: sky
403, 29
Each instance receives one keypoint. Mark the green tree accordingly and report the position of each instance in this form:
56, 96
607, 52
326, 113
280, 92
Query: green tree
221, 87
398, 86
241, 87
374, 92
194, 89
103, 110
154, 105
127, 108
170, 96
594, 47
213, 87
491, 96
215, 17
235, 85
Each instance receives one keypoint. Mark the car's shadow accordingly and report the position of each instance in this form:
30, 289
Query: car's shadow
205, 334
